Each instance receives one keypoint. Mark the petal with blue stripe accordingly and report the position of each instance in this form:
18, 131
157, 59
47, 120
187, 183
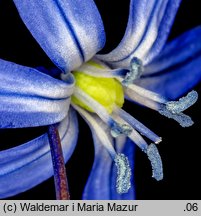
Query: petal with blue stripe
31, 98
70, 32
177, 69
146, 33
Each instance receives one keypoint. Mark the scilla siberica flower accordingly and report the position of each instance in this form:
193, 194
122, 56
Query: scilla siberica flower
142, 68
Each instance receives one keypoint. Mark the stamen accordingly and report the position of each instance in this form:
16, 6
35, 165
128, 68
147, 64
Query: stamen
138, 125
156, 163
123, 173
141, 100
121, 161
138, 140
60, 179
183, 103
150, 150
181, 118
147, 93
136, 69
116, 128
97, 127
170, 109
134, 136
173, 109
100, 72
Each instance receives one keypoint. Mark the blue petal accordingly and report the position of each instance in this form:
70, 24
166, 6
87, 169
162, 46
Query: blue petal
101, 184
70, 32
177, 69
147, 30
27, 165
31, 98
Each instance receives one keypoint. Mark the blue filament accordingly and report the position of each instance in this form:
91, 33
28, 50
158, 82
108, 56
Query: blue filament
118, 129
138, 125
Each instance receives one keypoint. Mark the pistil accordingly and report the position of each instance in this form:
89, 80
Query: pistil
116, 128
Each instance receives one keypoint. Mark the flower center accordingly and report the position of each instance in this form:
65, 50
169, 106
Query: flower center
107, 91
99, 89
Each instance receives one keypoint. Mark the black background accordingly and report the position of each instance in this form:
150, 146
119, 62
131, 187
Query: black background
180, 149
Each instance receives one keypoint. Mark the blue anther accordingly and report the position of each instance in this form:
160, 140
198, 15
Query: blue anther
135, 72
156, 163
123, 173
183, 103
118, 129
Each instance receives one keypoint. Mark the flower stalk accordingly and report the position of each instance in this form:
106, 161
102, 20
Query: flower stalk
60, 177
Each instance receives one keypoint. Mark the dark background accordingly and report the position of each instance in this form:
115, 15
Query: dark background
180, 149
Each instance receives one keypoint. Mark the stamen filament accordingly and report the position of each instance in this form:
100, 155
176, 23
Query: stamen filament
60, 178
137, 125
134, 136
170, 109
138, 140
141, 100
118, 129
147, 93
102, 136
106, 73
151, 151
93, 104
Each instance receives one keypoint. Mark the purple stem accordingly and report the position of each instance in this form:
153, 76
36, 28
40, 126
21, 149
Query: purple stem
60, 178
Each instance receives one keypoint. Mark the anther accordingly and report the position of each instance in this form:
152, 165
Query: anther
156, 163
181, 118
173, 109
123, 173
118, 129
136, 69
183, 103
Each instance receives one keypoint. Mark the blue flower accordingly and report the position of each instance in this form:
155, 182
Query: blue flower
151, 72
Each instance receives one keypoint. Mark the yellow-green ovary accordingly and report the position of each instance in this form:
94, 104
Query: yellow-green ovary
106, 91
